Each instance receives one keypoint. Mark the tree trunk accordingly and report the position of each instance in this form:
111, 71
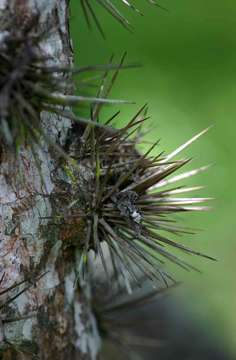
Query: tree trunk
52, 319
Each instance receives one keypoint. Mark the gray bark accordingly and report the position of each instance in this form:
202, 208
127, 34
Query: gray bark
53, 318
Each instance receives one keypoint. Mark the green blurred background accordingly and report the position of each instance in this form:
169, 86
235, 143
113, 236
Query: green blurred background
188, 79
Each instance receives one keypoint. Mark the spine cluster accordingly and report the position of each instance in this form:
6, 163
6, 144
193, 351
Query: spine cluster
112, 203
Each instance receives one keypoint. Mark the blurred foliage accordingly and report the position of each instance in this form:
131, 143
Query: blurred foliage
188, 79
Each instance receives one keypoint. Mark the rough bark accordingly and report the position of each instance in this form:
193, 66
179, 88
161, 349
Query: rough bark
52, 319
